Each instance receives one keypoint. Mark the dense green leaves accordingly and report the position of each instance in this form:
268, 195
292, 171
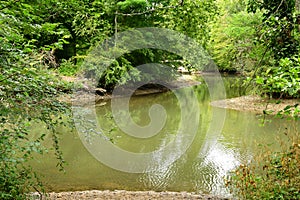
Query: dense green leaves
232, 37
280, 34
280, 26
190, 18
282, 81
259, 39
28, 94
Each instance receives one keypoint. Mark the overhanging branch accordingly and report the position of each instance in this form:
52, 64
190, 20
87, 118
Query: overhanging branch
145, 12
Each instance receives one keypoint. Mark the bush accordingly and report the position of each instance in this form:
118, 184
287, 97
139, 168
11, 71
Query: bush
277, 176
68, 68
282, 81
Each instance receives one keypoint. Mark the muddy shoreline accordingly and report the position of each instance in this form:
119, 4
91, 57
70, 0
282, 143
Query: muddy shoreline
124, 195
255, 104
87, 94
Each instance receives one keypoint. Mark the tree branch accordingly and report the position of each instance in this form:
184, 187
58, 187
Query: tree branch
147, 11
116, 27
256, 68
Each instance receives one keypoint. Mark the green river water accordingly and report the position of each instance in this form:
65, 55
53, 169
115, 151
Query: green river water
202, 168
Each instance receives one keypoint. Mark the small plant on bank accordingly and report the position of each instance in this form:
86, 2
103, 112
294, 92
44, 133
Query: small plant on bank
68, 68
290, 111
277, 176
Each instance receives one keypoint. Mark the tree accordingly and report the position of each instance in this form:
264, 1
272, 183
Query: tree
280, 34
28, 94
232, 36
188, 17
280, 26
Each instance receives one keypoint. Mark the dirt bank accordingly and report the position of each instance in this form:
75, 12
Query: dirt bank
255, 104
125, 195
87, 94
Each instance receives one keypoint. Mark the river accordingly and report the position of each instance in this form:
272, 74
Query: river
212, 154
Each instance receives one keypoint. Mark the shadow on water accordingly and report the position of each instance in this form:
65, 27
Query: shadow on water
202, 168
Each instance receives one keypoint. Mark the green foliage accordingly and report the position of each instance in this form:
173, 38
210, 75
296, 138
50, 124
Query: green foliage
133, 5
274, 177
28, 94
117, 73
192, 18
68, 68
282, 81
92, 28
290, 111
232, 37
68, 30
280, 26
277, 72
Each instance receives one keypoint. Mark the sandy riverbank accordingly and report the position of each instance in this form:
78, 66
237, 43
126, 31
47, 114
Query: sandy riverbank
87, 94
125, 195
255, 104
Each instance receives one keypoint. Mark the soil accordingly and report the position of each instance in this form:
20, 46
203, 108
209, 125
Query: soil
255, 104
89, 95
124, 195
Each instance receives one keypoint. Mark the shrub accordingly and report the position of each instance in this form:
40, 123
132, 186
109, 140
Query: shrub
282, 81
68, 68
276, 177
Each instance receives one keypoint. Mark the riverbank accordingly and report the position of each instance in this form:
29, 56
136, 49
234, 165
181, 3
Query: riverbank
255, 104
125, 195
87, 94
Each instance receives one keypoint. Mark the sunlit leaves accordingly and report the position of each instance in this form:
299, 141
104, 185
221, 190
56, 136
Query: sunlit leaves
281, 81
28, 93
232, 39
279, 27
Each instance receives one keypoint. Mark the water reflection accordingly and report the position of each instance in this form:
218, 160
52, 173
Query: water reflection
202, 168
